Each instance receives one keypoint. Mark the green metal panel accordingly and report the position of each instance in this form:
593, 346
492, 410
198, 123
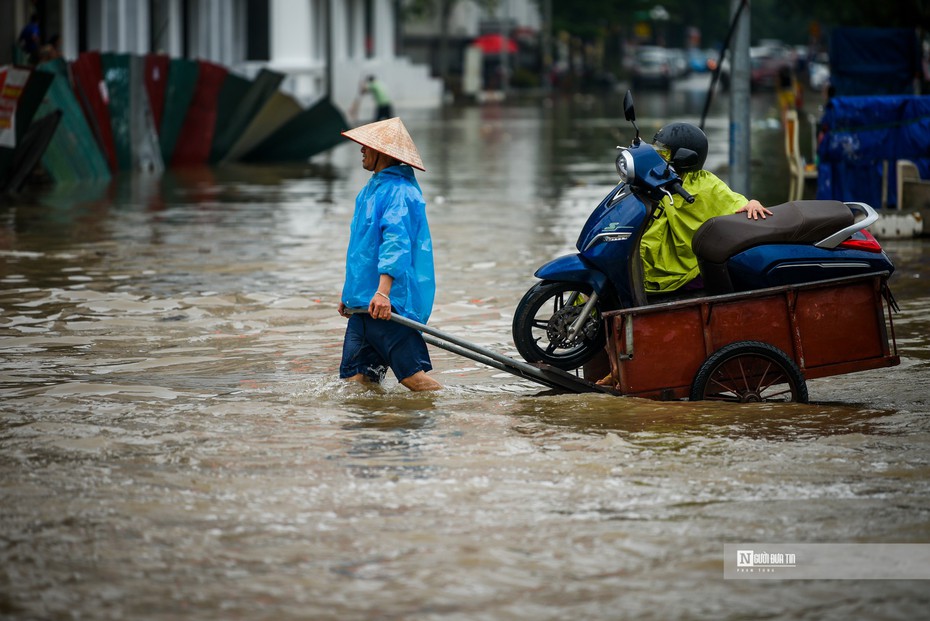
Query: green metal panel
146, 152
278, 110
73, 154
233, 119
182, 81
311, 132
116, 78
233, 92
29, 101
30, 150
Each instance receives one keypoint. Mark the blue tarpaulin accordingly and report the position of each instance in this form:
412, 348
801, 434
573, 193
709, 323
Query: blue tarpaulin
861, 134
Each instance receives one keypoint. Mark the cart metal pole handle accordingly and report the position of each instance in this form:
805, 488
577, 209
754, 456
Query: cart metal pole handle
553, 377
416, 325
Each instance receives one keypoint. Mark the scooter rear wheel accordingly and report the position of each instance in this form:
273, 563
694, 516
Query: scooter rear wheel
747, 372
542, 322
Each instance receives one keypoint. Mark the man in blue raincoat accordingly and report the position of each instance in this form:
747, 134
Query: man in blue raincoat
389, 263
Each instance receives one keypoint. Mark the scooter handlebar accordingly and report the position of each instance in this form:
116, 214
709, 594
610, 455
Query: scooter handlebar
677, 188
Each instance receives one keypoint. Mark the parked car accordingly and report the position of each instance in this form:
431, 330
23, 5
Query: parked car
765, 63
679, 62
652, 66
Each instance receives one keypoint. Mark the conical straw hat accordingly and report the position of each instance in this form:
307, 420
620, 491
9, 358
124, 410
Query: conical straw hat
389, 137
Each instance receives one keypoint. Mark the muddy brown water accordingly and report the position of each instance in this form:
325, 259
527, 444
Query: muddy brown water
174, 442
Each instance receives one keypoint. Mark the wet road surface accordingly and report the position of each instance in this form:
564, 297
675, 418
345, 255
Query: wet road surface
174, 442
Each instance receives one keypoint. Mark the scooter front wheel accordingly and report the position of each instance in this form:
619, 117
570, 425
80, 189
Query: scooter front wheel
542, 325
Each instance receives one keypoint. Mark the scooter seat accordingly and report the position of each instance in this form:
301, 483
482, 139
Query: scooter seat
798, 222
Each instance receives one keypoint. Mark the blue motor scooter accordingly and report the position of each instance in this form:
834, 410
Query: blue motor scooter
558, 320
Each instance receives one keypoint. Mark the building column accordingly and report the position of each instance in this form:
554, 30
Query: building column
165, 22
384, 29
357, 44
291, 32
340, 29
117, 26
69, 30
297, 46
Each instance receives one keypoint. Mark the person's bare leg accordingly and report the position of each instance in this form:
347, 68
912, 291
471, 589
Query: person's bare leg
359, 378
420, 381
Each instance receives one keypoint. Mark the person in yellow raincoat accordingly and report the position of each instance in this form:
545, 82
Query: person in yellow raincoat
668, 261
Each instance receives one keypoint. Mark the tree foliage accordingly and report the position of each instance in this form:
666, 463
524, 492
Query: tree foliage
862, 13
788, 20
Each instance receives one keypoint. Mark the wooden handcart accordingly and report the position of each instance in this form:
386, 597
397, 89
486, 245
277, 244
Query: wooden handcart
754, 346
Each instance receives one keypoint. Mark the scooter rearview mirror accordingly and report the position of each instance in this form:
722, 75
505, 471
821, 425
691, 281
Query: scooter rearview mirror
630, 113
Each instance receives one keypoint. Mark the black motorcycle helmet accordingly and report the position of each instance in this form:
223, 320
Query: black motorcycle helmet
675, 136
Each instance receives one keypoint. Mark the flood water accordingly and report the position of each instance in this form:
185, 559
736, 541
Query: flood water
175, 443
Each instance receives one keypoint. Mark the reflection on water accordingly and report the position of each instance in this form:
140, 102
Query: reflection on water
707, 419
174, 441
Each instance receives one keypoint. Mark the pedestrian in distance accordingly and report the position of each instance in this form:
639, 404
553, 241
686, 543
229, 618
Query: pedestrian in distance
389, 263
30, 39
51, 50
788, 92
383, 107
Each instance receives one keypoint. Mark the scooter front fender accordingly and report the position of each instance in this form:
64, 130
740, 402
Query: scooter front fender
572, 268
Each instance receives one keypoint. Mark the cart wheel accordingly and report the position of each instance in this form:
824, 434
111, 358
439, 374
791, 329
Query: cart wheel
749, 371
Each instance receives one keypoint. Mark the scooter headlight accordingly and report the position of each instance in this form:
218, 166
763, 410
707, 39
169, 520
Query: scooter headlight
625, 166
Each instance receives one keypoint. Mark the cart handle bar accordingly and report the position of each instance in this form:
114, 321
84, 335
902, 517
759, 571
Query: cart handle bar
544, 374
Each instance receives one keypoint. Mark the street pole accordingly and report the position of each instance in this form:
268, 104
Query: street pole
329, 50
740, 113
505, 41
547, 55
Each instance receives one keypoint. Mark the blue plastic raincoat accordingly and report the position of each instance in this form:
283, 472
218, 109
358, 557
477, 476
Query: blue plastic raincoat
390, 235
668, 260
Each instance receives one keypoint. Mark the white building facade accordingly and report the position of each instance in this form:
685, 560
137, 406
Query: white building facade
470, 19
293, 37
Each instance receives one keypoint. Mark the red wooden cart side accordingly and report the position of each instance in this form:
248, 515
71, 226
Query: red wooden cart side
827, 328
